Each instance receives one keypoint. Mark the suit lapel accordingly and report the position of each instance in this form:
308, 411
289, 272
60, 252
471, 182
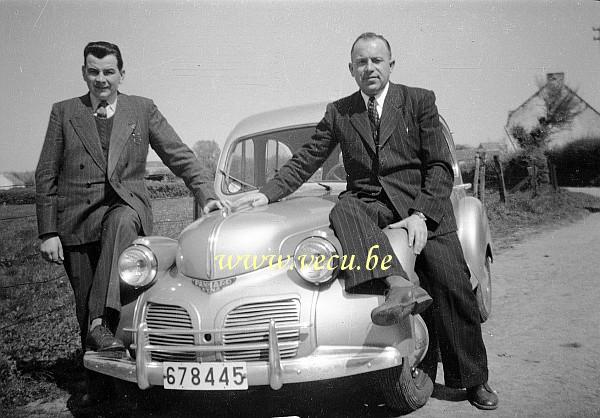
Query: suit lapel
123, 126
360, 120
392, 114
85, 127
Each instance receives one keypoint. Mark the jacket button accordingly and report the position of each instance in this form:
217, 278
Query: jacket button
88, 184
81, 166
88, 201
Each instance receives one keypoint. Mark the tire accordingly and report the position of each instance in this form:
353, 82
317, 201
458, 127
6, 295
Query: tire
483, 293
405, 389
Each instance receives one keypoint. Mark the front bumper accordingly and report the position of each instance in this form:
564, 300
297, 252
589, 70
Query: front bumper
325, 362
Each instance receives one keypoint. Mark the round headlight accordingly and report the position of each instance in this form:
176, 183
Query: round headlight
315, 260
137, 266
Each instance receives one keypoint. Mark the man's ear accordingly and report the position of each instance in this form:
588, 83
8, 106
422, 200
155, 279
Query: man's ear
351, 68
122, 75
83, 73
392, 63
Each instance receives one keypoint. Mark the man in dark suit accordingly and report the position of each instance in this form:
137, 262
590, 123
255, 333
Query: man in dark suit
91, 198
399, 174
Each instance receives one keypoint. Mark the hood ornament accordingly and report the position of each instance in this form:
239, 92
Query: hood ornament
212, 286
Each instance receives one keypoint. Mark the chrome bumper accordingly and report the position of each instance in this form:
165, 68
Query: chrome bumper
325, 362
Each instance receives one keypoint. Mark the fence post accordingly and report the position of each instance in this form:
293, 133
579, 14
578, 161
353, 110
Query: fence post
476, 175
197, 208
501, 184
553, 177
482, 176
533, 179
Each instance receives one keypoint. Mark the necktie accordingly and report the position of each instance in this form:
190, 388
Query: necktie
101, 110
374, 118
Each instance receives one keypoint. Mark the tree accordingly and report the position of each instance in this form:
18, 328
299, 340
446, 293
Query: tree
562, 106
208, 153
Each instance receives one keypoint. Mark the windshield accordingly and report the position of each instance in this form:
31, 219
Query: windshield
254, 160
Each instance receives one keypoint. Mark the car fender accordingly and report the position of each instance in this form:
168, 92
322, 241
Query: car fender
474, 235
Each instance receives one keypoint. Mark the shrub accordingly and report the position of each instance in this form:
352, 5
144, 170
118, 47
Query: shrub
19, 196
163, 189
157, 189
577, 163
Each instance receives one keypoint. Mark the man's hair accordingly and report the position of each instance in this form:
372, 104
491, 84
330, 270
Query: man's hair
371, 35
100, 49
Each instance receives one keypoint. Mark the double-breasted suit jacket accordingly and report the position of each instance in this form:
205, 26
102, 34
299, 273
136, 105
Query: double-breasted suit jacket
73, 176
412, 162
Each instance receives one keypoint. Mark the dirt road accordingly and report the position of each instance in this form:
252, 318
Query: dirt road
543, 342
543, 338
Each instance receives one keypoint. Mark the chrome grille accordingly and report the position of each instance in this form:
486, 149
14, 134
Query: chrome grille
159, 316
260, 314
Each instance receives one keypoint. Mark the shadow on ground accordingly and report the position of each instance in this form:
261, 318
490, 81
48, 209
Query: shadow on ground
352, 396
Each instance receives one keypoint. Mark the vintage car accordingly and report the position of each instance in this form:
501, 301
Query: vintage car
233, 302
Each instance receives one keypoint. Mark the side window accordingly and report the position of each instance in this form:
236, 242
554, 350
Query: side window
276, 154
240, 168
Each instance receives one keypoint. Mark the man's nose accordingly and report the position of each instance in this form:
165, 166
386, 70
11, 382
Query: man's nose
370, 65
100, 78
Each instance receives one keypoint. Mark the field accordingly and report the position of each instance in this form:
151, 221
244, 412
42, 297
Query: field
39, 343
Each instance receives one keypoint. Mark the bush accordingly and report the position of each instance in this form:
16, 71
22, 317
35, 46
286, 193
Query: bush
577, 163
19, 196
163, 189
157, 189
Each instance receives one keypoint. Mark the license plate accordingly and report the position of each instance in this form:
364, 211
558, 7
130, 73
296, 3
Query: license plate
205, 376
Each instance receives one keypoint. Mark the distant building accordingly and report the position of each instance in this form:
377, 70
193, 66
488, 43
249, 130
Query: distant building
8, 181
466, 155
585, 125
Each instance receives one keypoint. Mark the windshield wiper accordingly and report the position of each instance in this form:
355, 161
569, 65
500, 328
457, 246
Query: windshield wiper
243, 183
325, 186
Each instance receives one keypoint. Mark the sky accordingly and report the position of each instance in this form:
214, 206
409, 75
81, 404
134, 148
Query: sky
209, 64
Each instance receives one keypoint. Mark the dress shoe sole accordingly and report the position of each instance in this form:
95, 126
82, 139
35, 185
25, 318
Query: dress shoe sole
484, 407
395, 314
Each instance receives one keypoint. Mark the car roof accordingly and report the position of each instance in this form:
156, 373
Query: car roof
308, 114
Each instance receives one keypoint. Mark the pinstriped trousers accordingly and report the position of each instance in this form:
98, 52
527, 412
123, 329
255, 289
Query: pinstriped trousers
93, 268
452, 320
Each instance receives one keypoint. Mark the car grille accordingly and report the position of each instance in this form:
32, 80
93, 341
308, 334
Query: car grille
260, 314
159, 316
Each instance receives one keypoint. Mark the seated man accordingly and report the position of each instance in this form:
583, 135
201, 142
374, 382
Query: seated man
399, 174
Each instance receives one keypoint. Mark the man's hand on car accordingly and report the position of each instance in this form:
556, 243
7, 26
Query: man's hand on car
250, 200
213, 205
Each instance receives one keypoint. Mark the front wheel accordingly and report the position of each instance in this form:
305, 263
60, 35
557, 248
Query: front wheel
483, 292
405, 388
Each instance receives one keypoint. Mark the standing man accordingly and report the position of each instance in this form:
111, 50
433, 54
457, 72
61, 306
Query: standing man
91, 198
399, 174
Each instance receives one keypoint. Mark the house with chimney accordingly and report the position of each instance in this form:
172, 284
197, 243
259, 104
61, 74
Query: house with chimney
586, 123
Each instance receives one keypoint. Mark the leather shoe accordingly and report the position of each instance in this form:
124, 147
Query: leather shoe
482, 397
400, 301
102, 340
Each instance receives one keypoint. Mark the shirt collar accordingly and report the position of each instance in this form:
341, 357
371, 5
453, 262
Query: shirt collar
110, 109
379, 98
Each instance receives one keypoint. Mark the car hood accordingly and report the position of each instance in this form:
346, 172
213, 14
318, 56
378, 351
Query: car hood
224, 245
